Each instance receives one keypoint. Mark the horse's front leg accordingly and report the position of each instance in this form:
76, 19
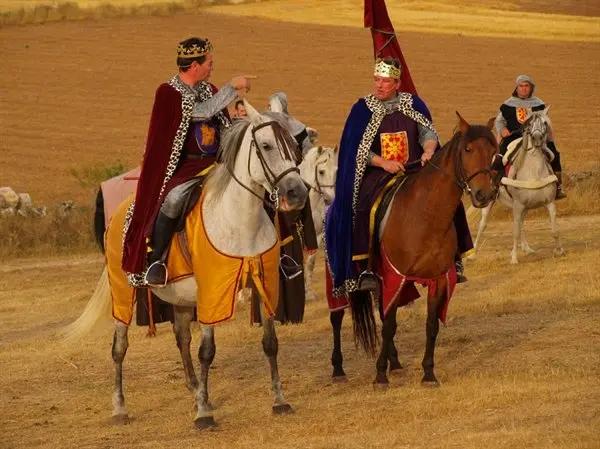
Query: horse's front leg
119, 349
435, 304
485, 213
558, 249
204, 416
524, 244
183, 336
271, 348
337, 360
518, 215
309, 267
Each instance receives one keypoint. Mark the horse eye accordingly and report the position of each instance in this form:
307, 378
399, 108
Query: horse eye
321, 172
468, 148
266, 146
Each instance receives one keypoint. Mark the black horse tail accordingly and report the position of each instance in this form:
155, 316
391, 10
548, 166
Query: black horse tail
99, 227
365, 328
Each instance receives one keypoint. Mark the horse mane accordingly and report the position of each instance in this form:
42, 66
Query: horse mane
474, 132
231, 140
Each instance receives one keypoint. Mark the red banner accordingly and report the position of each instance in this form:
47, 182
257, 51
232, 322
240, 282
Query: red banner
385, 43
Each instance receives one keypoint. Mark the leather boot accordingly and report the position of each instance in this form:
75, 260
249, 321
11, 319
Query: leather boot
560, 193
157, 274
498, 167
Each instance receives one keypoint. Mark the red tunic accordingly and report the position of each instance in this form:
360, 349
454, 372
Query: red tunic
167, 116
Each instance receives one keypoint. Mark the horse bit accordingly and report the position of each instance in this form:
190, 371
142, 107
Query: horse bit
461, 181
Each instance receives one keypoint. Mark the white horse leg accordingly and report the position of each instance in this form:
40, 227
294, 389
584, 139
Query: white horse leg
524, 245
204, 417
119, 349
485, 213
518, 213
183, 336
271, 348
558, 249
309, 266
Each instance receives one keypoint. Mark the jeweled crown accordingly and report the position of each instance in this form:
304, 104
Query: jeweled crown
386, 70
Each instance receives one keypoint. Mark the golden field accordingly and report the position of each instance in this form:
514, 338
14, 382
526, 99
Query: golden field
519, 359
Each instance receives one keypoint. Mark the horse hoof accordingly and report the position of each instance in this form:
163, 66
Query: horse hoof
382, 386
205, 423
339, 379
559, 252
430, 383
121, 419
396, 371
282, 409
514, 262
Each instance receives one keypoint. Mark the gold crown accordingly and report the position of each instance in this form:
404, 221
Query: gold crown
194, 51
387, 70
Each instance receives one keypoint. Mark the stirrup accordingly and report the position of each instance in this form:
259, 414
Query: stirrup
367, 281
290, 270
156, 275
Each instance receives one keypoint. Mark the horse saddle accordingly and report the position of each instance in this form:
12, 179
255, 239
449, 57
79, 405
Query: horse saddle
514, 147
382, 205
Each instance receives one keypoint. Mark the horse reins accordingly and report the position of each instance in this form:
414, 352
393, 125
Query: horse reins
272, 178
461, 181
318, 187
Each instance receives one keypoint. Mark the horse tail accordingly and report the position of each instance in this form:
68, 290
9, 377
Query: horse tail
97, 307
99, 220
365, 328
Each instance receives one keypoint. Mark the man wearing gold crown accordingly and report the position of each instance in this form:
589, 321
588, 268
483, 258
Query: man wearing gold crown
183, 138
513, 112
384, 132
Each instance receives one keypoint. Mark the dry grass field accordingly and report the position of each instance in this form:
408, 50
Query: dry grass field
519, 359
519, 363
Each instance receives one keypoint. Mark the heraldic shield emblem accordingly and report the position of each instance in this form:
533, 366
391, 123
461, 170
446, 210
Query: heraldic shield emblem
207, 137
522, 114
394, 146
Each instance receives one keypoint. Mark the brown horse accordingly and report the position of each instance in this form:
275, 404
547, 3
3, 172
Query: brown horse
420, 242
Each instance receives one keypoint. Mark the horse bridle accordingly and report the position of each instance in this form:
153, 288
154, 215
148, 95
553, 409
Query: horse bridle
318, 187
527, 128
272, 178
460, 180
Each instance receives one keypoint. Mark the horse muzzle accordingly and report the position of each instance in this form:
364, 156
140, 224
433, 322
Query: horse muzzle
481, 198
293, 194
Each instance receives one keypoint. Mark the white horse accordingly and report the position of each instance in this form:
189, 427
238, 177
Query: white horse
255, 160
318, 169
530, 184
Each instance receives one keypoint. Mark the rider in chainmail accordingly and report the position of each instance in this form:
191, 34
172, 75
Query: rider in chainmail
513, 113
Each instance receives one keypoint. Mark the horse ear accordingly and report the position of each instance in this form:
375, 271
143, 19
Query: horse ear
462, 124
313, 135
335, 149
490, 123
319, 150
253, 114
546, 109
